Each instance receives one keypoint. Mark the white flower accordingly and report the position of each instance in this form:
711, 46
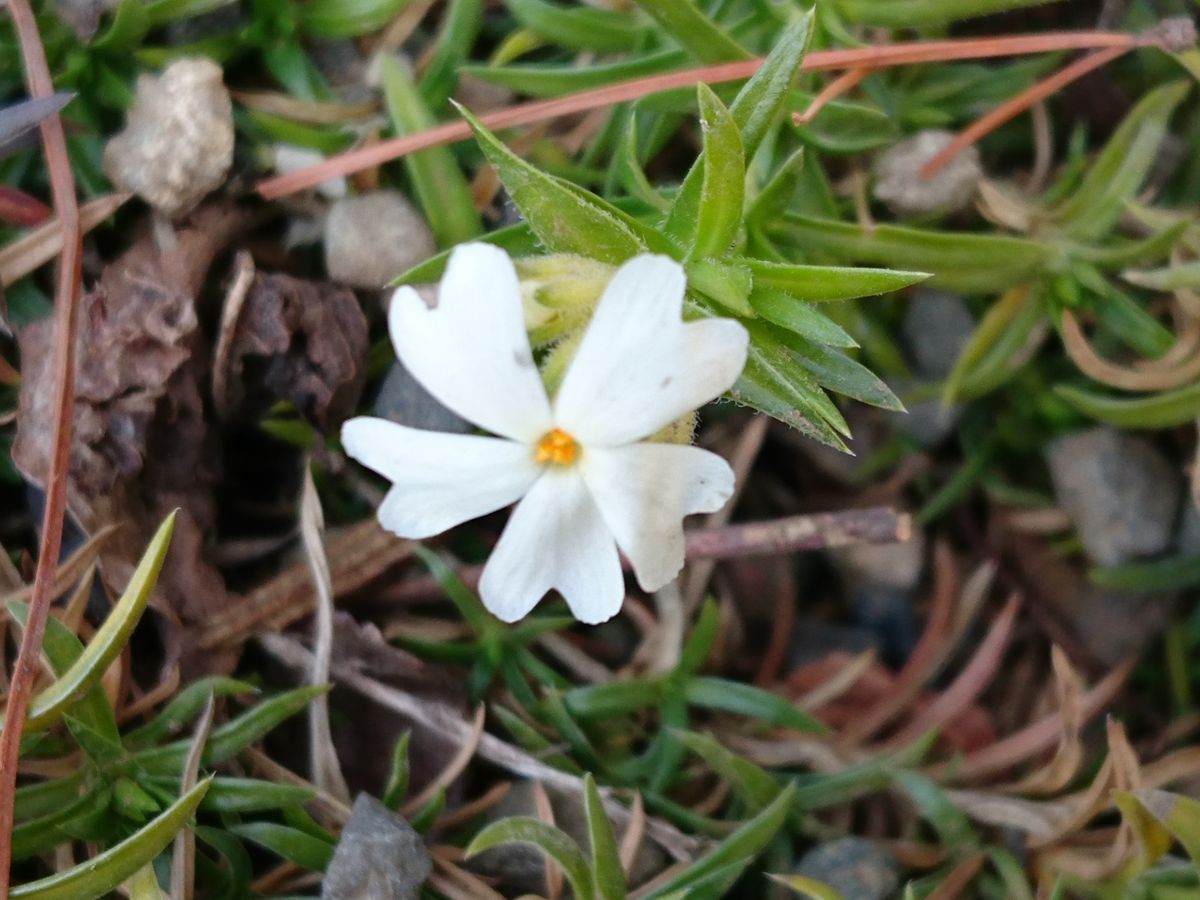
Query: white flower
586, 480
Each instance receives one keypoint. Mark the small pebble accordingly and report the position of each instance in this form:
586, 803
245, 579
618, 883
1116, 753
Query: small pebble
379, 857
177, 145
372, 238
1119, 490
900, 186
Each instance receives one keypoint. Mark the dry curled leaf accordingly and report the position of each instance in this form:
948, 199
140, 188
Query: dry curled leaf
141, 446
301, 341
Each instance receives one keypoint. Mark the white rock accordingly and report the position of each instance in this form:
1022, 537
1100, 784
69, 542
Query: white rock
177, 145
372, 238
899, 184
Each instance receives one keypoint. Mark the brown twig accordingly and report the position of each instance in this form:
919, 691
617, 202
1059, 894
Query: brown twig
1014, 106
816, 531
818, 61
843, 84
62, 185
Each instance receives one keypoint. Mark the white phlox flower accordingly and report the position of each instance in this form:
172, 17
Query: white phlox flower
586, 479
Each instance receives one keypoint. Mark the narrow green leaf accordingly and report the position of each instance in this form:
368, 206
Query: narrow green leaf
748, 700
843, 129
774, 384
580, 27
232, 737
1116, 176
694, 31
728, 286
799, 316
608, 874
517, 240
93, 712
555, 81
829, 283
807, 887
1003, 341
707, 220
1167, 409
755, 107
177, 715
39, 835
227, 794
922, 13
346, 18
777, 194
952, 827
461, 22
1171, 278
616, 698
836, 371
1178, 814
752, 784
396, 790
437, 180
741, 846
1153, 838
103, 873
289, 843
700, 642
965, 263
565, 218
48, 706
1172, 574
551, 841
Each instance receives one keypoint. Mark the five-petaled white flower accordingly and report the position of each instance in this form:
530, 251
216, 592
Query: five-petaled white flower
586, 479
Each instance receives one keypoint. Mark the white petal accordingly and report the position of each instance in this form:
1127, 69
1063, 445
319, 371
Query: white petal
471, 350
556, 540
438, 480
644, 491
639, 366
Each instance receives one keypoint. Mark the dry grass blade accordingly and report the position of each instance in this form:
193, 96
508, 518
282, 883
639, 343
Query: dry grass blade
1068, 756
41, 245
446, 721
454, 767
545, 812
310, 112
976, 676
66, 318
959, 879
832, 688
923, 660
326, 771
635, 831
231, 314
1095, 366
183, 858
469, 811
843, 84
457, 883
70, 571
1034, 738
360, 555
818, 61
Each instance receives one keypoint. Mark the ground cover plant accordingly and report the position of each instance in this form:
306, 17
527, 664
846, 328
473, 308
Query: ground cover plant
630, 448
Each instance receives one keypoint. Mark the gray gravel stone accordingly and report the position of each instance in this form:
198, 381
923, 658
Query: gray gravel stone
899, 185
177, 145
379, 857
855, 868
936, 327
372, 238
402, 399
1120, 492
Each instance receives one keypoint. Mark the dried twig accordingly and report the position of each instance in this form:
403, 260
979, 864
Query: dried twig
326, 772
818, 61
815, 531
62, 185
1014, 106
447, 722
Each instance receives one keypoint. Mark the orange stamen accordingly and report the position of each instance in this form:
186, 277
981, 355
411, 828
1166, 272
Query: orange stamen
556, 447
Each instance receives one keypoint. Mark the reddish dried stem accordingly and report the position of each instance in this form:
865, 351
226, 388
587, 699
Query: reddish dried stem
818, 61
62, 185
1014, 106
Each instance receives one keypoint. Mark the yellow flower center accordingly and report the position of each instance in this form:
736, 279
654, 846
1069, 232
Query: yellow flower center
556, 447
